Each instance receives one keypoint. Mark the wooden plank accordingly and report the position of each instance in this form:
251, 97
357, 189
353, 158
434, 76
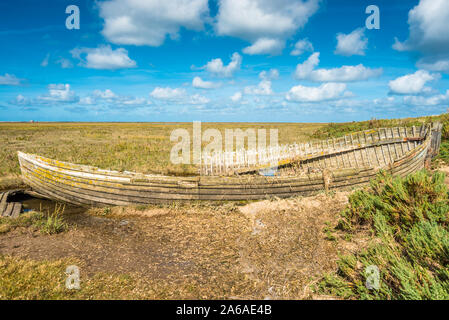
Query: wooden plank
395, 150
143, 193
112, 193
126, 195
250, 181
409, 166
8, 210
56, 196
17, 208
383, 155
3, 203
2, 195
89, 197
368, 156
377, 156
71, 196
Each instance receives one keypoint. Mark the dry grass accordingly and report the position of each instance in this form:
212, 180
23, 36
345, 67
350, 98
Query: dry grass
271, 249
139, 147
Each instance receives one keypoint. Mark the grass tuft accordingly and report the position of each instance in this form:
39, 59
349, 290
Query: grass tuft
54, 222
48, 223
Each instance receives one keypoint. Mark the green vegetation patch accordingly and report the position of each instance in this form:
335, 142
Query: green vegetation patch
408, 218
46, 222
335, 130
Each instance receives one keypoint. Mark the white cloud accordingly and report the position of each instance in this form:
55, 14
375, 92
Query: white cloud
306, 70
345, 74
236, 96
59, 93
354, 43
108, 97
198, 99
87, 101
428, 27
256, 20
9, 80
65, 63
326, 91
440, 65
436, 100
386, 101
265, 46
21, 100
106, 94
103, 57
217, 67
44, 62
62, 94
199, 83
167, 93
302, 46
263, 88
178, 96
412, 83
428, 35
134, 101
148, 22
270, 75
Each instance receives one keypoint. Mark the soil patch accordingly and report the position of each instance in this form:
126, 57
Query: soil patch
278, 246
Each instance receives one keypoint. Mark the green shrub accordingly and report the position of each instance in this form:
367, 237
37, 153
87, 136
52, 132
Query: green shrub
335, 130
409, 218
51, 222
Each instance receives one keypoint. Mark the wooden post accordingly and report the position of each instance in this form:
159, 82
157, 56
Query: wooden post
389, 153
383, 154
361, 153
395, 150
369, 157
377, 156
353, 151
401, 143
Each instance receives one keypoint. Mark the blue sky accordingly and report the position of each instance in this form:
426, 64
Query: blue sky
224, 60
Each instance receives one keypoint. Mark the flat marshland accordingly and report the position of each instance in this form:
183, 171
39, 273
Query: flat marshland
275, 249
138, 147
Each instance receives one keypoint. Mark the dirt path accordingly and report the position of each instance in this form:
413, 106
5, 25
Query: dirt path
278, 246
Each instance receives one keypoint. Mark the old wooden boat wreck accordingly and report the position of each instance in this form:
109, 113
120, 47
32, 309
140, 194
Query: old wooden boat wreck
347, 162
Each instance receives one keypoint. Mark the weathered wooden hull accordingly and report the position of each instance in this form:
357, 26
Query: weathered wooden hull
89, 186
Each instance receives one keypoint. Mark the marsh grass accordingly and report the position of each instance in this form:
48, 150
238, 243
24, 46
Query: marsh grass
334, 130
53, 222
28, 279
138, 147
408, 218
